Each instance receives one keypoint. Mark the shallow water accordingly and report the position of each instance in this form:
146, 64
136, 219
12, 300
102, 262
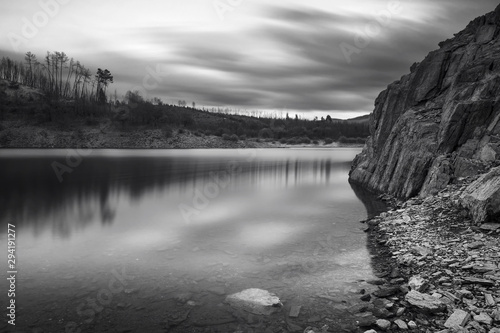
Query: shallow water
152, 241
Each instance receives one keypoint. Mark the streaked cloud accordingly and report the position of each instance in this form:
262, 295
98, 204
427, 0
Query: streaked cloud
264, 55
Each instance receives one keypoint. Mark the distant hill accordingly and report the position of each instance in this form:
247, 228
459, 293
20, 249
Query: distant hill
73, 100
361, 119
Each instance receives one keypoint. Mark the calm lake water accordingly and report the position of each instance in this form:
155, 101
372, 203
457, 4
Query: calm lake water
153, 241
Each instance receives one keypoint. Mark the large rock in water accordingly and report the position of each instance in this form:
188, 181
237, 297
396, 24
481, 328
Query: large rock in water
439, 122
482, 197
256, 301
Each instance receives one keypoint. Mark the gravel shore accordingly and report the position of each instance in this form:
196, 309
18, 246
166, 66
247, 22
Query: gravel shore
438, 271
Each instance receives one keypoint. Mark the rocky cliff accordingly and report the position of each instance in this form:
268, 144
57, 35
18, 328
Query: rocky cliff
441, 121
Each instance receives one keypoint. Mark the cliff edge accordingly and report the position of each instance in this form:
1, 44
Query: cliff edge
441, 121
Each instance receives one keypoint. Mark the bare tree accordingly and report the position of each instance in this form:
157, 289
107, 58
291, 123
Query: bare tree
30, 61
62, 60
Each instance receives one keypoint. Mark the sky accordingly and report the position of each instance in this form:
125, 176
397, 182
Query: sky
312, 58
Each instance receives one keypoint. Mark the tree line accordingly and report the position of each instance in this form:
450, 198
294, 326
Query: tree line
58, 76
137, 111
74, 90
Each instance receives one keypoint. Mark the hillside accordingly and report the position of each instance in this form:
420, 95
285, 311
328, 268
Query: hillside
30, 117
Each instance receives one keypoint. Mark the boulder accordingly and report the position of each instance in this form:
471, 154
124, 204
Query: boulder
424, 302
256, 301
482, 197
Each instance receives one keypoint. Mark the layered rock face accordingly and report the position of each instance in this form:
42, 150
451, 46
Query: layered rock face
441, 121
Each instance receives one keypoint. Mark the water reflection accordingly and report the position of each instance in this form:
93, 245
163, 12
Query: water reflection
373, 207
281, 220
32, 193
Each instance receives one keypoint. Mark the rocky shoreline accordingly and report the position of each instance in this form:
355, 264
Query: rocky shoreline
438, 270
435, 137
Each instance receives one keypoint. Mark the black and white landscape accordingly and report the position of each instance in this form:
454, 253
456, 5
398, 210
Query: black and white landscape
250, 166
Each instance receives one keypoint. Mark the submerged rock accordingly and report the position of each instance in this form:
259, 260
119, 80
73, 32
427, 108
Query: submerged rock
386, 292
256, 301
295, 311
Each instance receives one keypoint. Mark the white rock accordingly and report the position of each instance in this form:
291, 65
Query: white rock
256, 301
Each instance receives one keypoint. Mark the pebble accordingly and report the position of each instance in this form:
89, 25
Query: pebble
483, 318
401, 324
383, 324
475, 245
489, 300
294, 311
366, 320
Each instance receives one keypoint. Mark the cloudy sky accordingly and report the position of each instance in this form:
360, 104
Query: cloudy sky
312, 57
